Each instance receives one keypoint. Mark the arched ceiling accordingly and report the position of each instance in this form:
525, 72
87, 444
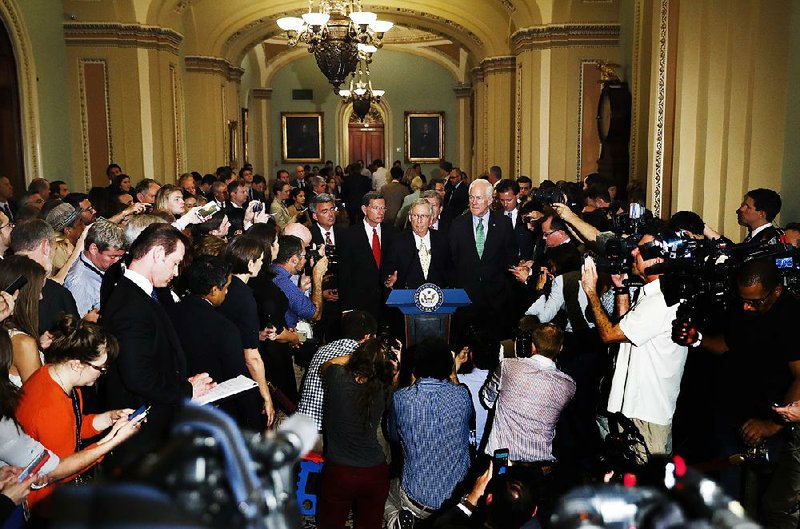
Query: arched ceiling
230, 28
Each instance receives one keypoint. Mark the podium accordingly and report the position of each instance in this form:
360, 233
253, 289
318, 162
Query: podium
427, 310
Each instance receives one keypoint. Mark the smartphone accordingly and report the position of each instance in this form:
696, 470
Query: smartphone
16, 285
258, 207
208, 210
143, 409
34, 466
500, 459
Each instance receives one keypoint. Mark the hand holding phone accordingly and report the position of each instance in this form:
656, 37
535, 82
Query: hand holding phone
500, 461
18, 283
34, 466
142, 410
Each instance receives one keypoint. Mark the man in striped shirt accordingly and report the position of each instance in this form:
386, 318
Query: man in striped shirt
528, 395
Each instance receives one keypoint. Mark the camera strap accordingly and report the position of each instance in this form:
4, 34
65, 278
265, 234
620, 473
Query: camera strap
571, 287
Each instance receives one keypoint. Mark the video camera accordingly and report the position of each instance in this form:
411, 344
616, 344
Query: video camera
700, 274
615, 256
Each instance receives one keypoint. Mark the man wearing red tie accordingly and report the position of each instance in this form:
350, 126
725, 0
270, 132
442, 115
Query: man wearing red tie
362, 252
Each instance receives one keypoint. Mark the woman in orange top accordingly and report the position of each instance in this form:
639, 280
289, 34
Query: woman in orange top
51, 408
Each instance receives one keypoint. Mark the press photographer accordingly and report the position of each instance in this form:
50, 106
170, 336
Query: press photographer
759, 369
649, 367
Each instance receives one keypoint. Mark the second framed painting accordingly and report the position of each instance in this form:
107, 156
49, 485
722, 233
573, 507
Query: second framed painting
424, 136
301, 137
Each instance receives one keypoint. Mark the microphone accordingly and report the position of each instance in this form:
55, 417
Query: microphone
295, 437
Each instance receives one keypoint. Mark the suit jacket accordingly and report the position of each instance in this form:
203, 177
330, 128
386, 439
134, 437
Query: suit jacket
319, 240
213, 346
768, 235
404, 258
456, 201
393, 193
360, 280
524, 238
236, 218
486, 279
151, 366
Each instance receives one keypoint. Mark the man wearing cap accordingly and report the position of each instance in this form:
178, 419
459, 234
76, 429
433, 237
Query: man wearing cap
67, 222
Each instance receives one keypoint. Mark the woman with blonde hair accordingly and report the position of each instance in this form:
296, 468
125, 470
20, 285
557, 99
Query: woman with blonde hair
170, 199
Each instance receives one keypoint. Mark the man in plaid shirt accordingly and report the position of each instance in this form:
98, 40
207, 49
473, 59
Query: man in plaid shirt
357, 326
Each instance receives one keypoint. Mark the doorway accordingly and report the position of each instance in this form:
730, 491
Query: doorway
11, 156
366, 139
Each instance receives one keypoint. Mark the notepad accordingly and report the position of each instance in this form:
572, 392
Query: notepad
227, 388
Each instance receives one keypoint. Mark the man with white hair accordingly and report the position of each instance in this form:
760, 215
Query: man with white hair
483, 249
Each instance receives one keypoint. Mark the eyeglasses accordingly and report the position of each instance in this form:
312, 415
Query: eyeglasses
755, 303
549, 233
9, 225
102, 369
38, 201
90, 208
423, 216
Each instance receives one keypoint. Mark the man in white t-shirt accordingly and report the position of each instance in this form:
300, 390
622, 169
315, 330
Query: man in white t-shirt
649, 367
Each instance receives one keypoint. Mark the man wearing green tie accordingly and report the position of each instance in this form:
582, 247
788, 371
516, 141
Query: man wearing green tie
483, 248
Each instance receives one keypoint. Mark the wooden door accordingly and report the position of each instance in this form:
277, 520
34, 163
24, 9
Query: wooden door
11, 159
366, 143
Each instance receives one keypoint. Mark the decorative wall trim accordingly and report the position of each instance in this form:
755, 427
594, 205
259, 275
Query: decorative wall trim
579, 154
477, 74
503, 63
116, 35
463, 90
177, 118
84, 102
635, 88
213, 65
518, 124
661, 107
29, 95
565, 36
508, 5
261, 93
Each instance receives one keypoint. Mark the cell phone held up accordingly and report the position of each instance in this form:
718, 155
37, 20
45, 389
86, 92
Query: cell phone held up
500, 461
208, 211
34, 466
18, 283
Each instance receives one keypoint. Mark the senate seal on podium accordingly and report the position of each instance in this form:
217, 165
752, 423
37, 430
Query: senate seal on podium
428, 297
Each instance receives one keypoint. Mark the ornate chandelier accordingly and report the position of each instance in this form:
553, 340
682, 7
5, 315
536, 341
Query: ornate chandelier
333, 34
361, 93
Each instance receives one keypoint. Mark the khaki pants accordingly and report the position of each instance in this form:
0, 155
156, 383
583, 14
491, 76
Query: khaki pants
657, 437
397, 501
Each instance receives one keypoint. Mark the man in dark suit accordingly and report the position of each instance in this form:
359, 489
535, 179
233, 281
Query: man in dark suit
439, 222
237, 193
151, 366
759, 207
361, 254
252, 193
211, 341
455, 197
418, 256
325, 233
483, 248
507, 191
354, 187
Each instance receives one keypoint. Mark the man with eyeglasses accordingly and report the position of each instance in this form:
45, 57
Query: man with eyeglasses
418, 256
80, 201
759, 370
649, 367
104, 246
6, 226
456, 194
362, 252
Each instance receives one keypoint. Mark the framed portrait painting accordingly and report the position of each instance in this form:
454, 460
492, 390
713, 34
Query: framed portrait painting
424, 135
301, 137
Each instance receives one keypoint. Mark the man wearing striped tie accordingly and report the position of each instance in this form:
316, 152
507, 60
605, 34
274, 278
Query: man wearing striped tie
483, 249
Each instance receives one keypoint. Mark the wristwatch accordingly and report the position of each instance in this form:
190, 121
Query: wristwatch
466, 503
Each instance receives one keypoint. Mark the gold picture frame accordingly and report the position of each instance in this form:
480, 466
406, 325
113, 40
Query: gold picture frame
424, 136
233, 143
302, 137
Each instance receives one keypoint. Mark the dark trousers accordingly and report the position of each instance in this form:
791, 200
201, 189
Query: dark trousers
780, 503
279, 366
364, 489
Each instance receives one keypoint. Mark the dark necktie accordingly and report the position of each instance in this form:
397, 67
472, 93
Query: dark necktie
7, 211
154, 295
328, 238
376, 247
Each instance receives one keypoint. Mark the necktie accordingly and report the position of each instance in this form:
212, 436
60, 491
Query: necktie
424, 258
154, 295
328, 238
748, 238
7, 211
480, 238
376, 247
511, 216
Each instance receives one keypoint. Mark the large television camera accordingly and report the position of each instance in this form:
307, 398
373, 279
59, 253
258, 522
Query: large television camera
700, 274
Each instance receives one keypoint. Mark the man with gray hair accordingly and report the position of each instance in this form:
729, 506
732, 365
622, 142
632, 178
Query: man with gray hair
104, 246
418, 256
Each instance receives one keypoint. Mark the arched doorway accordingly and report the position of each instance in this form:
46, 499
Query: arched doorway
366, 139
12, 162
